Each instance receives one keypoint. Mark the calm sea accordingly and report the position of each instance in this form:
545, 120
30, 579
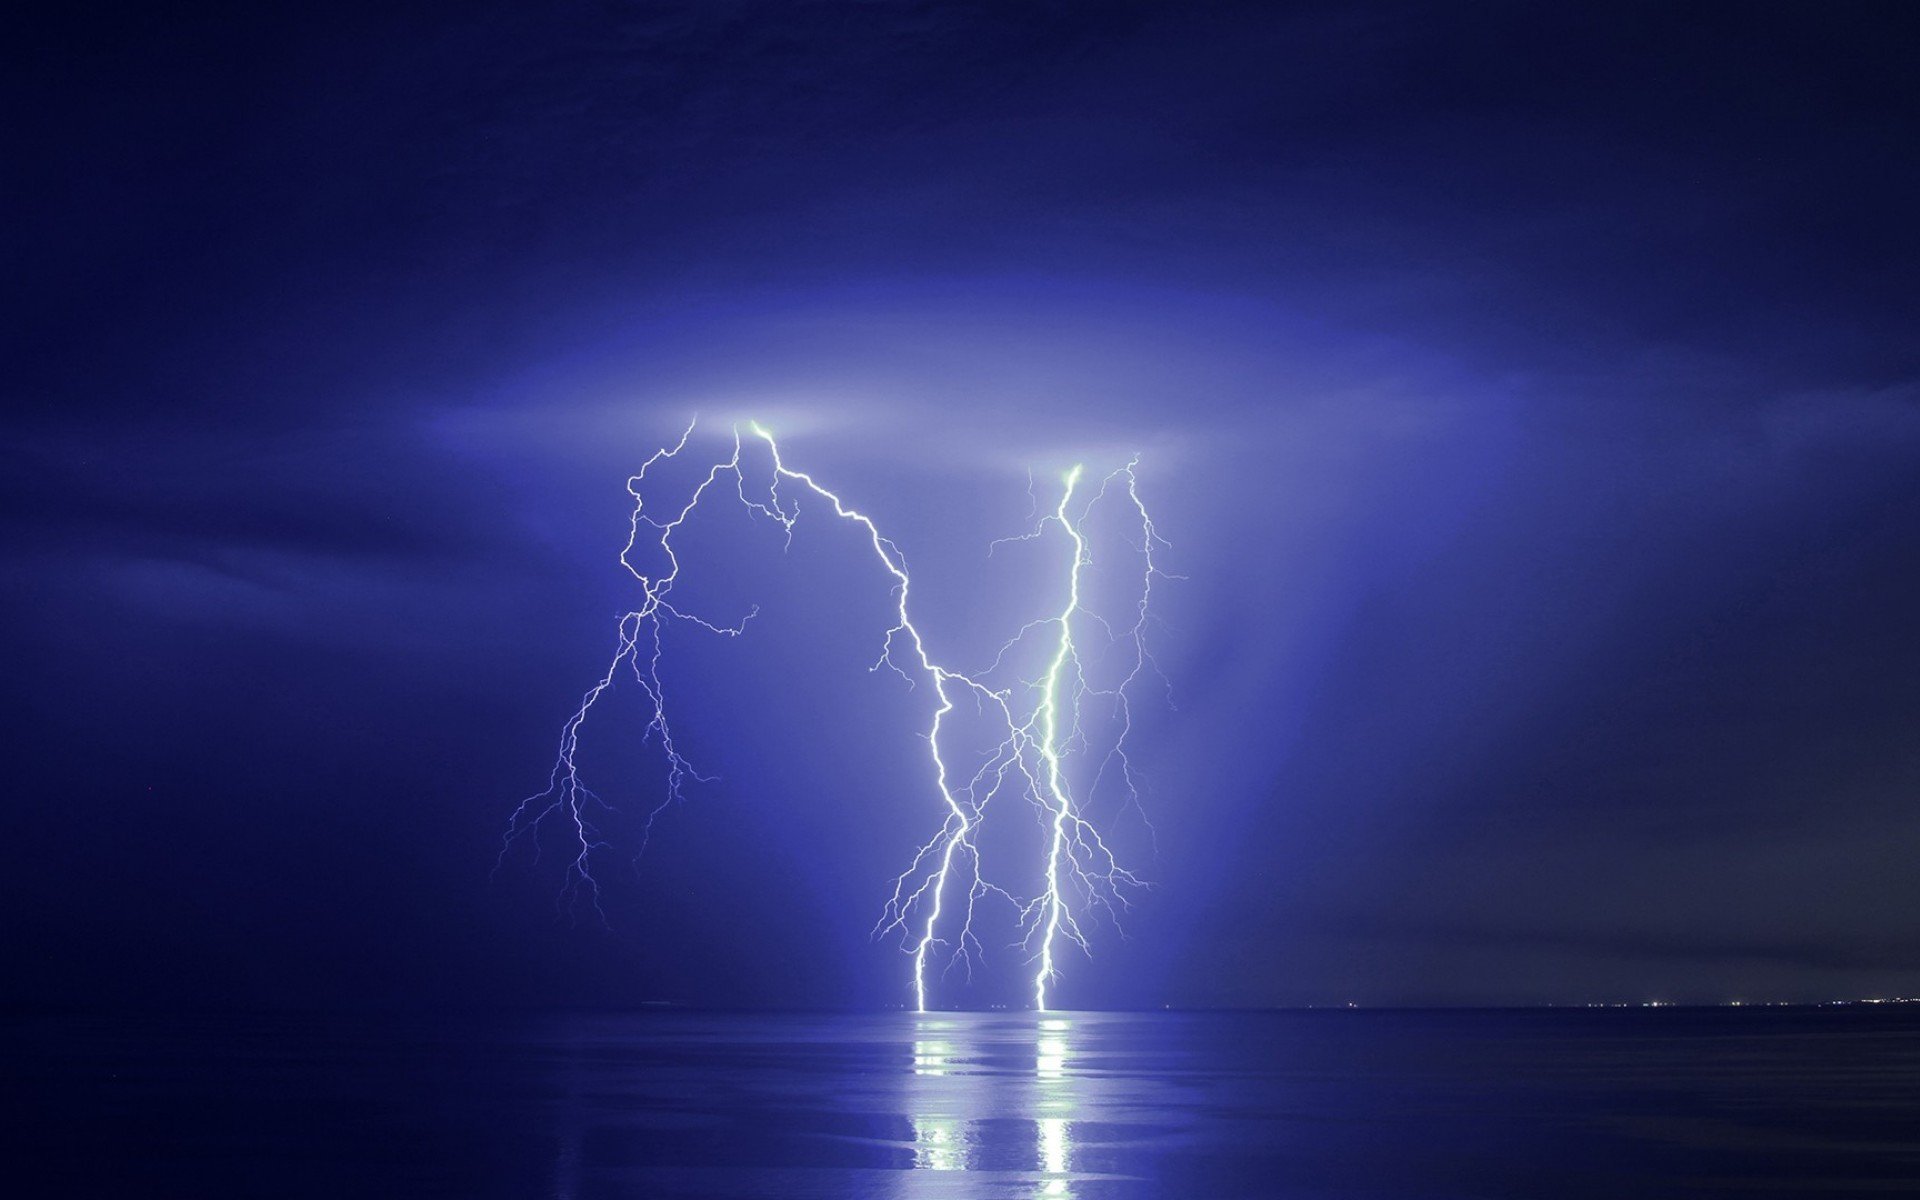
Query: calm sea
1194, 1106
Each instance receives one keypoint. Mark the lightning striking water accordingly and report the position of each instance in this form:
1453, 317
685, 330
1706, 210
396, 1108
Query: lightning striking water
1040, 726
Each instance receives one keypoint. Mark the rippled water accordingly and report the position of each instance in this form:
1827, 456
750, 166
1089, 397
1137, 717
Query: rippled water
1080, 1105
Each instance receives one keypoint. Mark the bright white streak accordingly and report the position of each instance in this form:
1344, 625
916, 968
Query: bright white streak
1050, 746
957, 825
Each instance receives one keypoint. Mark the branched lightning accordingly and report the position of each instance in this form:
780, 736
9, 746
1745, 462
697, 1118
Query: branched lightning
1040, 723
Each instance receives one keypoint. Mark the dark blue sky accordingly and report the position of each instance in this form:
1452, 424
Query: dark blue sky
1530, 396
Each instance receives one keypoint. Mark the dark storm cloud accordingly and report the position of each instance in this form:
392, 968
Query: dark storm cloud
1531, 394
161, 492
1827, 953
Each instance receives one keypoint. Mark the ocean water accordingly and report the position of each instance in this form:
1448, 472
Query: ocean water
1193, 1106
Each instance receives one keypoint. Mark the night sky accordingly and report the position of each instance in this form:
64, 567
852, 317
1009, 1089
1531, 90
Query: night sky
1529, 392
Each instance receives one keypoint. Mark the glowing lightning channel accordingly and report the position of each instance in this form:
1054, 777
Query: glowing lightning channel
1031, 756
1050, 749
953, 833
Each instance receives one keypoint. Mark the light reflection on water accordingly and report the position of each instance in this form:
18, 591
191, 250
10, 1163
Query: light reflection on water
967, 1073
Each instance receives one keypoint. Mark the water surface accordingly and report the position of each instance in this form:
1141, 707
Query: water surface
1194, 1106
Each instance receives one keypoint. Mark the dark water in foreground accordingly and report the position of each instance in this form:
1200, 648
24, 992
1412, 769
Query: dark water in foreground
1408, 1105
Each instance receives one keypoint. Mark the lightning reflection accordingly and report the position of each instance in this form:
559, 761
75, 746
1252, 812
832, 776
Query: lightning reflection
1005, 1073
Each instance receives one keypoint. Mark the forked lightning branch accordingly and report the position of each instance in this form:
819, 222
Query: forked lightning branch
1045, 764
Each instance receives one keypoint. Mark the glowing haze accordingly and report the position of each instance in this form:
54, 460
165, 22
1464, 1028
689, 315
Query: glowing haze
1050, 739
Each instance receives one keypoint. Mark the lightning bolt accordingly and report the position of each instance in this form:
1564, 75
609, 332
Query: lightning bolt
1041, 724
